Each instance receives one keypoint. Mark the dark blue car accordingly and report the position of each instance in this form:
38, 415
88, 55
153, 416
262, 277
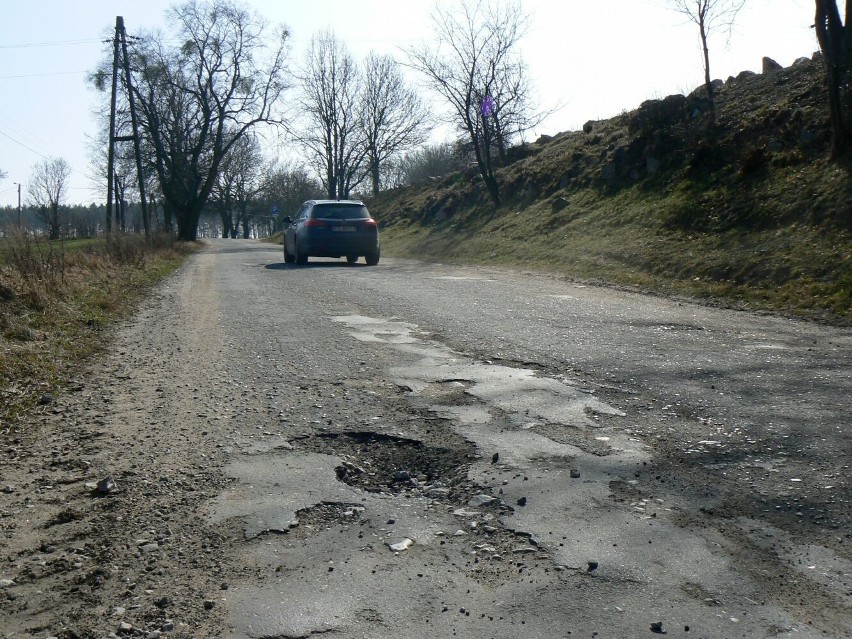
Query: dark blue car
332, 228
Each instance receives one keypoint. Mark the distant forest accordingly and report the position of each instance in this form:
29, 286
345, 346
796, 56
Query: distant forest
81, 222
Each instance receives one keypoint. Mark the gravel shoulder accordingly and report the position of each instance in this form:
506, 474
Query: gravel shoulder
135, 552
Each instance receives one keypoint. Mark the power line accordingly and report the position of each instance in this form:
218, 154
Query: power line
29, 45
42, 155
18, 130
40, 75
18, 142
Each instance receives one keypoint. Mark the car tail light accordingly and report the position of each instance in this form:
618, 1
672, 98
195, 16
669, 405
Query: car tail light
315, 222
370, 222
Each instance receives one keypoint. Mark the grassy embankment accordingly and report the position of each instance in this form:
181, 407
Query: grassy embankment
57, 299
749, 213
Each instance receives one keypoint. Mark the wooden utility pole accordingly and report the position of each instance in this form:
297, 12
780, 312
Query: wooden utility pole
119, 27
136, 146
121, 52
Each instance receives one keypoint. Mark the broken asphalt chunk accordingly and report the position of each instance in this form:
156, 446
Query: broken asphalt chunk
401, 545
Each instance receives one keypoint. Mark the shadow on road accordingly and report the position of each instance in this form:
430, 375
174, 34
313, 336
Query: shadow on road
281, 266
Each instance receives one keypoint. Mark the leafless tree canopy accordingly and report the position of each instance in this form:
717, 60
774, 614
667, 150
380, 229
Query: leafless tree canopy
238, 183
198, 99
287, 186
474, 65
393, 115
710, 16
332, 133
46, 191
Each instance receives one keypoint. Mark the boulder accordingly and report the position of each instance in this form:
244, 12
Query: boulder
654, 115
701, 91
770, 65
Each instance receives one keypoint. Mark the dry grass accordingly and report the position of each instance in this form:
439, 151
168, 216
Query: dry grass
57, 299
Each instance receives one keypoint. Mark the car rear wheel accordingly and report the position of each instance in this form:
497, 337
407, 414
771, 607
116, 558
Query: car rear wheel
372, 258
351, 259
301, 258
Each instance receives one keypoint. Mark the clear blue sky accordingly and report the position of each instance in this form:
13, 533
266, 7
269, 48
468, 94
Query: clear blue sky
594, 58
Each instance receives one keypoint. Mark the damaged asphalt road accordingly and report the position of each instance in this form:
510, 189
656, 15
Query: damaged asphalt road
416, 450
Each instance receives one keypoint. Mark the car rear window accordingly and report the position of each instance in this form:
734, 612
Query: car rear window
340, 212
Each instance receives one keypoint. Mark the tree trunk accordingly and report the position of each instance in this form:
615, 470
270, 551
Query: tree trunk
832, 35
53, 225
168, 217
330, 176
501, 142
244, 220
487, 174
708, 83
226, 216
486, 162
187, 224
374, 171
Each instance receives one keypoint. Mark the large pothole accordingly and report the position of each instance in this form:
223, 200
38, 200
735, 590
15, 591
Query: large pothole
381, 463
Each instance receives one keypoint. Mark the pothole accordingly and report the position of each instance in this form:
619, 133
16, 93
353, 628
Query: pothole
377, 462
410, 468
324, 516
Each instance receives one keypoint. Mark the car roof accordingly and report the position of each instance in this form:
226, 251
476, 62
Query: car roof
358, 202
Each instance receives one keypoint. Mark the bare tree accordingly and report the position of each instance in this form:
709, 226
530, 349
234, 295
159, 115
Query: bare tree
709, 16
835, 42
287, 186
513, 106
393, 116
223, 197
331, 131
46, 191
196, 100
473, 64
237, 184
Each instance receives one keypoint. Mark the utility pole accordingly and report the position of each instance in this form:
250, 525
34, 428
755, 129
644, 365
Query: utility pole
121, 39
19, 203
136, 147
119, 25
